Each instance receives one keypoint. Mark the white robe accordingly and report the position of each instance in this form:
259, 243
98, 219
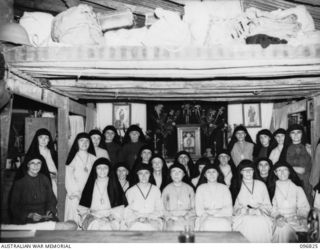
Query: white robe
124, 185
76, 178
178, 204
100, 152
227, 173
158, 180
98, 217
254, 224
317, 200
52, 169
195, 181
275, 154
291, 202
138, 207
213, 207
242, 151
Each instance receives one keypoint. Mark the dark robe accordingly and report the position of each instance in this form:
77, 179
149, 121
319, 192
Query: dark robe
32, 195
263, 152
297, 155
129, 153
113, 150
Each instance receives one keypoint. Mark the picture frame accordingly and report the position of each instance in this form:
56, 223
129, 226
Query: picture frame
121, 116
310, 109
297, 118
189, 139
251, 115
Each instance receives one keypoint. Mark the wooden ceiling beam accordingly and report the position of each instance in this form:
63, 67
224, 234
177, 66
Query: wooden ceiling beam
71, 3
41, 5
156, 84
315, 3
277, 93
221, 99
153, 4
214, 89
249, 72
117, 5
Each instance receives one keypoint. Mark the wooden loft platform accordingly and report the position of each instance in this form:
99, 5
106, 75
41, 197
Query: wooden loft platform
245, 72
188, 63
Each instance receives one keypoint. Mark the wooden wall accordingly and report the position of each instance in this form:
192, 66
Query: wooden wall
6, 11
315, 123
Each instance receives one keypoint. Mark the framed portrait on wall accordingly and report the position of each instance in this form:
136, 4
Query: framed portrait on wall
310, 109
121, 115
189, 139
251, 115
297, 118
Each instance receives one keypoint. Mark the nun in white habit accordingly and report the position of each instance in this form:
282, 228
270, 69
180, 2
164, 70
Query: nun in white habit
213, 201
178, 200
145, 209
102, 201
252, 208
78, 166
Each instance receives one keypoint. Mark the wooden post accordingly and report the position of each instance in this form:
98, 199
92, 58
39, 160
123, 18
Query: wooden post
5, 123
91, 117
315, 124
63, 150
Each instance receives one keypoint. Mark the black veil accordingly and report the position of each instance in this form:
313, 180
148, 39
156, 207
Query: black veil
34, 146
233, 139
75, 148
114, 189
194, 172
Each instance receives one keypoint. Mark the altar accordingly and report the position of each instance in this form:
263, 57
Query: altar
195, 127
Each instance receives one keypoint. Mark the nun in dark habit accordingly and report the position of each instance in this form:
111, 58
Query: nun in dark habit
42, 143
32, 199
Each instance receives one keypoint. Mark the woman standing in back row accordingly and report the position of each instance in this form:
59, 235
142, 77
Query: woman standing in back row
97, 140
112, 143
78, 166
42, 143
299, 158
133, 141
241, 145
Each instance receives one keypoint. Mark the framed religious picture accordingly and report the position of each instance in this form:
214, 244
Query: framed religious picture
189, 139
251, 115
121, 115
310, 109
297, 118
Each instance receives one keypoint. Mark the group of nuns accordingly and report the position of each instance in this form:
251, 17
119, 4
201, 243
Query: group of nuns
262, 190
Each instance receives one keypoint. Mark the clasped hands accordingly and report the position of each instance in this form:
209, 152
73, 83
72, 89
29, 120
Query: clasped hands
38, 217
143, 219
252, 210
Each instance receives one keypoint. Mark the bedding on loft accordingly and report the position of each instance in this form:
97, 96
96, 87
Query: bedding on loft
220, 23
